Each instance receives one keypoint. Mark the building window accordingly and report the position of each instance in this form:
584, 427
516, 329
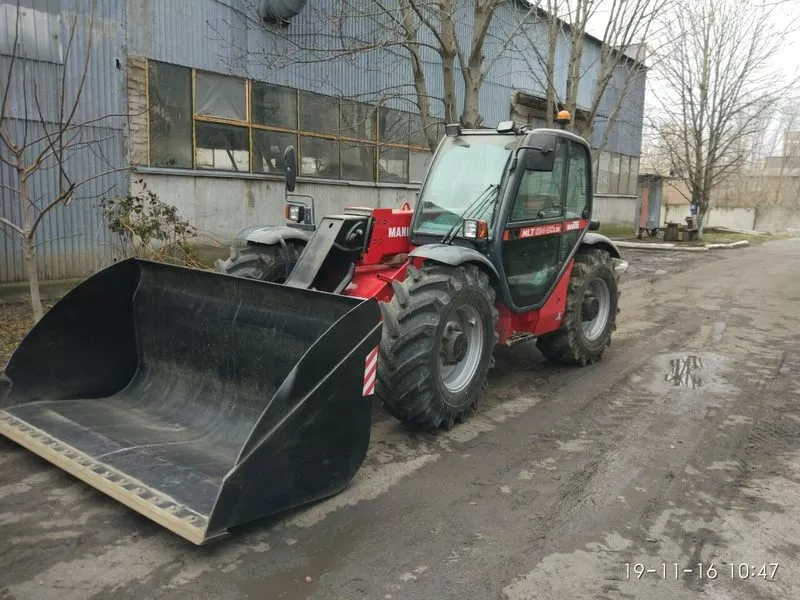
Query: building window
616, 174
222, 147
204, 120
393, 164
624, 173
268, 149
170, 115
220, 96
603, 175
273, 105
633, 185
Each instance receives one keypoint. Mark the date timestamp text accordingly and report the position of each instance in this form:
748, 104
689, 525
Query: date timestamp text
767, 571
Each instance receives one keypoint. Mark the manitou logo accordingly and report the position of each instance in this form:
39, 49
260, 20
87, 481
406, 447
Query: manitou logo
396, 232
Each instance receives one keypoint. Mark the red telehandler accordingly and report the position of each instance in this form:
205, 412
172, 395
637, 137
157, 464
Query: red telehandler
206, 400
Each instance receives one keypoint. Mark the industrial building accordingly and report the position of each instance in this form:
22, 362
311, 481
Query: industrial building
184, 93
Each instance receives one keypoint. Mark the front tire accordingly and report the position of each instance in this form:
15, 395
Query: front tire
590, 316
437, 344
264, 263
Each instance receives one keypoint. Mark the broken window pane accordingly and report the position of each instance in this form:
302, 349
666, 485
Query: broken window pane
358, 120
393, 165
170, 116
319, 157
268, 149
358, 161
219, 96
274, 105
393, 125
222, 147
319, 113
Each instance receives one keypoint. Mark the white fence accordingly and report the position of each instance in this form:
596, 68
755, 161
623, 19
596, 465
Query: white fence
763, 218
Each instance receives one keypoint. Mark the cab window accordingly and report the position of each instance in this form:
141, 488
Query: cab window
540, 193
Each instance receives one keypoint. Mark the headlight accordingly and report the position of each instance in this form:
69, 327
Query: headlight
476, 230
470, 229
295, 213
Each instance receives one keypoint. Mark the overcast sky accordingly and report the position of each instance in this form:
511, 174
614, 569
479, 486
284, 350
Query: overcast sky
786, 62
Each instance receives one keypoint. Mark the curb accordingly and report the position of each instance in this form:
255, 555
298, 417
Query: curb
738, 244
676, 248
673, 247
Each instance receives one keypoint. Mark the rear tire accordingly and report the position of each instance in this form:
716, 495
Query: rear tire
436, 349
265, 263
582, 340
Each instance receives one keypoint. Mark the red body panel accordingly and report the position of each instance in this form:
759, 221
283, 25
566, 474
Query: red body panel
538, 230
538, 322
389, 235
386, 260
375, 281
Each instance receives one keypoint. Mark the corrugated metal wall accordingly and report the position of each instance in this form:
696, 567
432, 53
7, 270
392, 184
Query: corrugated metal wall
72, 240
220, 36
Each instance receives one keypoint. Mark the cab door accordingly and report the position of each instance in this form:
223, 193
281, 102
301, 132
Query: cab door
547, 216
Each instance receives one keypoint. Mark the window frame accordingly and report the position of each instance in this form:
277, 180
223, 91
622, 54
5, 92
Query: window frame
341, 138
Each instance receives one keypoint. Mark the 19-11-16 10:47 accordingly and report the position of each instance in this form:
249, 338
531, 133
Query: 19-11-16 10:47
767, 571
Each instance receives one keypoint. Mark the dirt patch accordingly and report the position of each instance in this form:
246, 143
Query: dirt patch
649, 263
15, 321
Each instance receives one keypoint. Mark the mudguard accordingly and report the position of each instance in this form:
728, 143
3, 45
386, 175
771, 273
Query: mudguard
453, 256
599, 240
269, 235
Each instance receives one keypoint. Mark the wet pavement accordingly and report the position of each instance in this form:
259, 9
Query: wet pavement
680, 448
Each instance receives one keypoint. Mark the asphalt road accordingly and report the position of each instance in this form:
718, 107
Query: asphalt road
682, 446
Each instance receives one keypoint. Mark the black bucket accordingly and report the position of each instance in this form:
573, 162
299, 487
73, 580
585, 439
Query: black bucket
200, 400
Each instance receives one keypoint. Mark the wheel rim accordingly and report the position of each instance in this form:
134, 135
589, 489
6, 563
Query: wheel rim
460, 347
597, 303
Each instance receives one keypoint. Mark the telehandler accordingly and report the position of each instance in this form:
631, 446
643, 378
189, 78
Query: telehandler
206, 400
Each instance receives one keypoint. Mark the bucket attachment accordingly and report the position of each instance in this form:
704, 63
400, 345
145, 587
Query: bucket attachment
200, 400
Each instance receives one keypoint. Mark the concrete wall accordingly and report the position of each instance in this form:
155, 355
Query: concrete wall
223, 206
777, 218
762, 218
718, 216
615, 210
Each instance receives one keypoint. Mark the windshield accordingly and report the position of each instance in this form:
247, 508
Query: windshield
464, 168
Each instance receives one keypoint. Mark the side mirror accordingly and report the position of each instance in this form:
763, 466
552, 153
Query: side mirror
594, 225
539, 160
290, 168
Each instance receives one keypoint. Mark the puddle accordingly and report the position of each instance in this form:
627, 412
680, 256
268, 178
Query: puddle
685, 371
689, 373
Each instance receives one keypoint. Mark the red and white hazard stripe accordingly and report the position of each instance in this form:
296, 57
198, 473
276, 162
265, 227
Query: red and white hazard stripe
370, 372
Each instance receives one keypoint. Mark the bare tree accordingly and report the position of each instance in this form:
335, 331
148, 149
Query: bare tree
421, 33
716, 67
43, 134
410, 30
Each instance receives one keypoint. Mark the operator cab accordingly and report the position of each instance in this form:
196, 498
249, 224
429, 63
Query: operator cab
522, 198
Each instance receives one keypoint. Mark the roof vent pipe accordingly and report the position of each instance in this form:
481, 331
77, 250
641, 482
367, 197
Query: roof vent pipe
280, 11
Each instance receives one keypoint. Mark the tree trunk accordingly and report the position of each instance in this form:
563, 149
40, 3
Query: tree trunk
31, 266
449, 88
471, 118
420, 84
575, 56
28, 242
552, 43
448, 53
